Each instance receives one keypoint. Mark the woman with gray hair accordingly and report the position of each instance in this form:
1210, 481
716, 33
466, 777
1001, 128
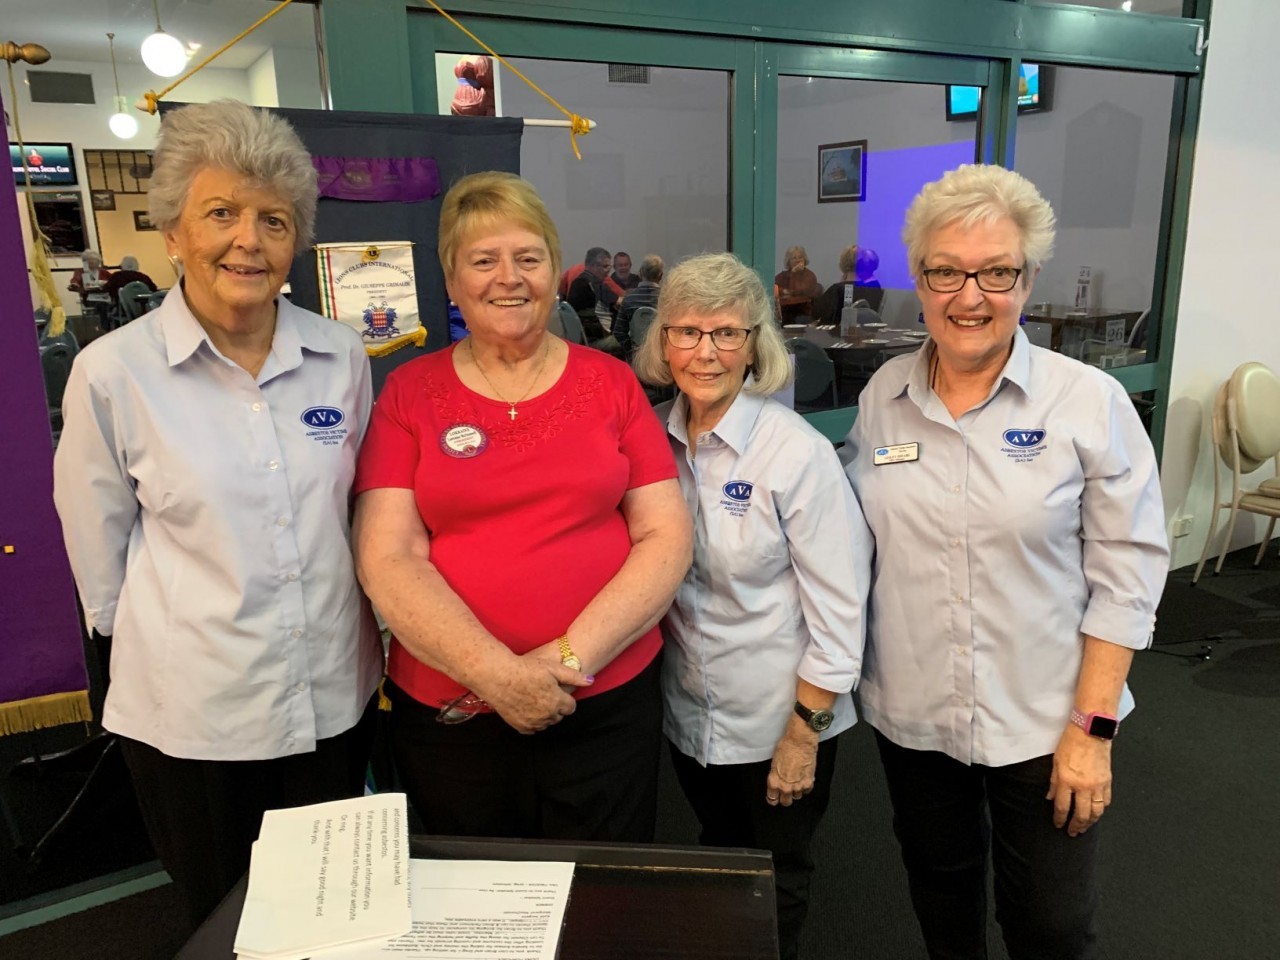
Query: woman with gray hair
203, 481
1020, 555
764, 637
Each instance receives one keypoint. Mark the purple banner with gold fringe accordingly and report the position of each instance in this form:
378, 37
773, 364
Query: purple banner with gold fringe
42, 672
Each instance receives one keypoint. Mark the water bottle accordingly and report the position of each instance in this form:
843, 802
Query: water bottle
848, 313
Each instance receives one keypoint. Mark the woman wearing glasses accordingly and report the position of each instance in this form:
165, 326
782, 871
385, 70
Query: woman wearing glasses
519, 526
1020, 555
764, 638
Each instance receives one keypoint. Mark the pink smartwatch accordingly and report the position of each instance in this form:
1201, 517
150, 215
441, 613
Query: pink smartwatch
1101, 725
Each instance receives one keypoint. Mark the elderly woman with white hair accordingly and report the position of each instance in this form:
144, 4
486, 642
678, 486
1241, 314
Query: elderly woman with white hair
1020, 555
764, 637
203, 481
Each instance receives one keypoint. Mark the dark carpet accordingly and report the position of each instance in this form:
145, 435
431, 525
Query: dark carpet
1189, 863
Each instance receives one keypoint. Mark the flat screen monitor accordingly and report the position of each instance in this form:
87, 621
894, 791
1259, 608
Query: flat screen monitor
1034, 94
61, 218
51, 164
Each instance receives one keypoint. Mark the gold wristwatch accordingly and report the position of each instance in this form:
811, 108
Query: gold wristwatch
567, 656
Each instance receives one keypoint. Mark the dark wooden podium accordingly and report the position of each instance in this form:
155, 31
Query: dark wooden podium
628, 901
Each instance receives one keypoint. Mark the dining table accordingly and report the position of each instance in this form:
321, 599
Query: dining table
859, 353
1074, 325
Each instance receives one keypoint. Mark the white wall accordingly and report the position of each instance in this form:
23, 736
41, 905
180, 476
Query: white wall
654, 174
1226, 310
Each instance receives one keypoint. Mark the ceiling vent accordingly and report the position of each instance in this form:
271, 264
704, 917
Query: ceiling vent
50, 86
628, 73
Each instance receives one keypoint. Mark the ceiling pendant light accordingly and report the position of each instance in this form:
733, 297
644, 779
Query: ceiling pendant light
122, 122
163, 52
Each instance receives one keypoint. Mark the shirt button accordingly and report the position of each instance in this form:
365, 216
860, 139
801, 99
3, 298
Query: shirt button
274, 464
956, 488
256, 407
293, 576
955, 541
300, 687
957, 599
282, 522
296, 634
961, 651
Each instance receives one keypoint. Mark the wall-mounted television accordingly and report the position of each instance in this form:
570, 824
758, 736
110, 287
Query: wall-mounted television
51, 164
1035, 94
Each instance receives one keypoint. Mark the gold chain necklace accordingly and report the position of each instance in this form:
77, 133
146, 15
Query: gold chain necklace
512, 412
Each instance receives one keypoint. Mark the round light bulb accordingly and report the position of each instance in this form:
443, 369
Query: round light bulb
123, 125
164, 54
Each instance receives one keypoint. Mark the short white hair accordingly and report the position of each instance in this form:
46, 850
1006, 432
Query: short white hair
980, 193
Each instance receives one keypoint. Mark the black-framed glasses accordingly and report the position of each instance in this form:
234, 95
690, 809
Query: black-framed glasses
988, 279
724, 338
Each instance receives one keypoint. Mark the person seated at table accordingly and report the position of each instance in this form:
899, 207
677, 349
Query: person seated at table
764, 637
622, 279
128, 273
90, 276
644, 294
865, 265
831, 303
795, 287
584, 292
520, 527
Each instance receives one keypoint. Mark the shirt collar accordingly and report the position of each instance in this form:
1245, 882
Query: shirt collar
913, 378
183, 333
734, 427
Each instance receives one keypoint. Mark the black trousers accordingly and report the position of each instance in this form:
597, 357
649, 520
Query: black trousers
951, 818
729, 801
204, 815
592, 776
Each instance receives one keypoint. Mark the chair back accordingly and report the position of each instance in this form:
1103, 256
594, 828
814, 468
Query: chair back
815, 371
641, 321
572, 324
873, 295
1138, 335
130, 305
867, 315
55, 364
554, 323
1253, 411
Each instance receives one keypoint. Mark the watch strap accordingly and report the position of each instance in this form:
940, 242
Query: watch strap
567, 656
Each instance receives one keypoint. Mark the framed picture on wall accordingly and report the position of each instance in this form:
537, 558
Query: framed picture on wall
842, 172
102, 199
141, 221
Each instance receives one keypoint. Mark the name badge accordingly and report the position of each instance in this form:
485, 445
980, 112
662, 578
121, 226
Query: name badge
897, 453
463, 440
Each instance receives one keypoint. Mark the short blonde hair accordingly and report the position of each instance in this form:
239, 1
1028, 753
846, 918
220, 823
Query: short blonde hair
981, 193
792, 255
848, 258
710, 283
488, 199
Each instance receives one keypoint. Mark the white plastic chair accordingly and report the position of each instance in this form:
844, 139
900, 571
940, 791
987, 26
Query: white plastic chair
1246, 434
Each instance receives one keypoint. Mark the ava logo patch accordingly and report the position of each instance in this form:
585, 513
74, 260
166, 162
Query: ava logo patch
326, 425
737, 497
1023, 444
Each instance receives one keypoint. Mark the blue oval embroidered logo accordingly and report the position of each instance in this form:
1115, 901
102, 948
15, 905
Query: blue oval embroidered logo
1024, 438
738, 490
323, 418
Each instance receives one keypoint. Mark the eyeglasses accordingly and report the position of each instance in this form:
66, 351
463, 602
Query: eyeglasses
988, 279
724, 338
461, 709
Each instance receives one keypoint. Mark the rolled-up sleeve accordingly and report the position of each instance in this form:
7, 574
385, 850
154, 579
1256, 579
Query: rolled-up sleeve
830, 549
94, 495
1126, 551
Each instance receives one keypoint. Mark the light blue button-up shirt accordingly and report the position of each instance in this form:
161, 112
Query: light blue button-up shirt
206, 515
1032, 521
778, 586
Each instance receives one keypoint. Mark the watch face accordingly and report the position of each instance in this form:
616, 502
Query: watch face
822, 719
1104, 728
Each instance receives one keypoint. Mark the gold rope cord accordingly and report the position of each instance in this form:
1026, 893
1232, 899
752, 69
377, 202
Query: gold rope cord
150, 100
40, 248
578, 125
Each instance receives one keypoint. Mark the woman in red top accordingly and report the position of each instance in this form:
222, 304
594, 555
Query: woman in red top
519, 525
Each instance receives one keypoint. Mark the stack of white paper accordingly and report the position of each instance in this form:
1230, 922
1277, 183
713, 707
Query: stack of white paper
325, 876
477, 910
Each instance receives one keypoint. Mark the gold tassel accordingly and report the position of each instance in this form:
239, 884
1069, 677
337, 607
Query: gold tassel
417, 338
37, 713
384, 704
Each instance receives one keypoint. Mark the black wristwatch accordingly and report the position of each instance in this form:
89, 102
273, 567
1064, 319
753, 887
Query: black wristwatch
817, 720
